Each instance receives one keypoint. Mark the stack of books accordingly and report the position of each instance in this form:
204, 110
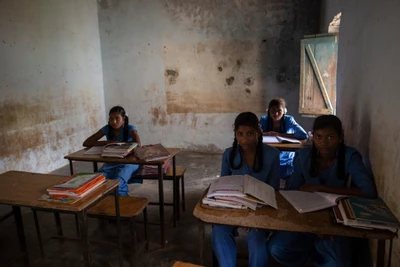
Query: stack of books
152, 152
74, 187
366, 213
118, 150
151, 170
240, 192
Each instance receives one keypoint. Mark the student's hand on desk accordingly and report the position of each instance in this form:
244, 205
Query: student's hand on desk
311, 188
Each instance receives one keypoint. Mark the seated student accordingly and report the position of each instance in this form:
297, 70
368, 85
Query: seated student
118, 129
327, 166
277, 123
248, 155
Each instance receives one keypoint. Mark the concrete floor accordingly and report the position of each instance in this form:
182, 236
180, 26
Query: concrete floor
181, 242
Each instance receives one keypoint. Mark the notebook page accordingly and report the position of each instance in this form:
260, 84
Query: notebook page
260, 190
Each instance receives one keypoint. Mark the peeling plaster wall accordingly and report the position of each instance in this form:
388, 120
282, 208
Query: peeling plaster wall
183, 70
50, 81
368, 92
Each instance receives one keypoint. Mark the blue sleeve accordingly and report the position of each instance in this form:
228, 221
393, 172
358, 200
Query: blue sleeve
131, 128
104, 130
298, 131
263, 123
297, 179
360, 177
274, 177
225, 166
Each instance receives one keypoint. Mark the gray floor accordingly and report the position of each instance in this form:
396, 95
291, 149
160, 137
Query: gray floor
181, 244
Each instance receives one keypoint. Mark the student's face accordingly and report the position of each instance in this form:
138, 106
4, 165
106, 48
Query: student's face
327, 141
276, 113
116, 120
247, 137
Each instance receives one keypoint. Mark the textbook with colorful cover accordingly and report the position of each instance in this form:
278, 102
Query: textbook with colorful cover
74, 187
279, 139
372, 210
152, 152
310, 201
240, 192
344, 214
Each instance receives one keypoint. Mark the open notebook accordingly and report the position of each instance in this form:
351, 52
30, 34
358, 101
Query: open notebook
279, 139
307, 201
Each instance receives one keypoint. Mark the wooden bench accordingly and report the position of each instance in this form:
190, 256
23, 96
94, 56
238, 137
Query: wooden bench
129, 207
169, 176
184, 264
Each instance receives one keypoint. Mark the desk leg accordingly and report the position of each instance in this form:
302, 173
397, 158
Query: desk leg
117, 214
21, 233
39, 236
380, 259
71, 167
176, 190
161, 201
95, 166
82, 218
58, 223
201, 241
390, 252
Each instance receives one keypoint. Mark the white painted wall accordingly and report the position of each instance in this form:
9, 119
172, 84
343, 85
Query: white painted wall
368, 91
169, 64
50, 81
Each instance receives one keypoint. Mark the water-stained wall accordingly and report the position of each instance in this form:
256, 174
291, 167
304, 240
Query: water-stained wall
368, 91
50, 81
184, 69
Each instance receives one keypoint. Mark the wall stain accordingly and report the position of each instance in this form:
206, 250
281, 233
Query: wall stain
230, 80
249, 81
159, 116
247, 90
220, 68
171, 75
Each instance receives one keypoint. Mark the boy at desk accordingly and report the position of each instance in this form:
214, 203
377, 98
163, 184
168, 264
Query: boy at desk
278, 123
248, 155
118, 129
324, 167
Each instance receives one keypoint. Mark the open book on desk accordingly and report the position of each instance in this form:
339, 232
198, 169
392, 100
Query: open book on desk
280, 139
114, 150
240, 190
310, 201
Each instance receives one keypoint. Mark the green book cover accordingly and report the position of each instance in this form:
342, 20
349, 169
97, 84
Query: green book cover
372, 211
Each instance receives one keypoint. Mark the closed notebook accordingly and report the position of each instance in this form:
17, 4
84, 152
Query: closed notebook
372, 210
310, 201
152, 152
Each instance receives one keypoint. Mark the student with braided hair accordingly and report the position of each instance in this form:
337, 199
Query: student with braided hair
278, 123
248, 155
117, 130
332, 167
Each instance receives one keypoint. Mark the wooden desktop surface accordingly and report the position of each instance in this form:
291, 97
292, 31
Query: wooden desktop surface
24, 188
286, 146
284, 218
130, 159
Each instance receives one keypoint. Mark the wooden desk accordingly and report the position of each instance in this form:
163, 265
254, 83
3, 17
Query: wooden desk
288, 219
132, 159
286, 146
22, 189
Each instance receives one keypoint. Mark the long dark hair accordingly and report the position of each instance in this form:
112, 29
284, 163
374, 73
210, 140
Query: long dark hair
251, 120
122, 112
323, 122
280, 102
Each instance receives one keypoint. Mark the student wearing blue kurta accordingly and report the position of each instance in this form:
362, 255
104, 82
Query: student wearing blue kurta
248, 155
328, 166
118, 129
277, 123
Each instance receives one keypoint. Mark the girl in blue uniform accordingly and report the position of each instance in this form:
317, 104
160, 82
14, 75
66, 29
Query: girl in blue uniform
277, 123
118, 129
248, 155
327, 166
